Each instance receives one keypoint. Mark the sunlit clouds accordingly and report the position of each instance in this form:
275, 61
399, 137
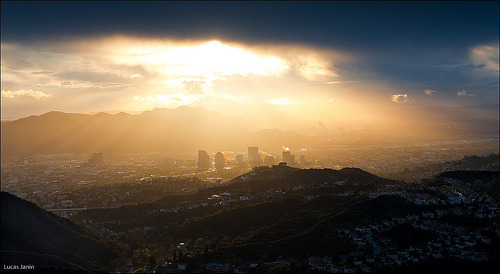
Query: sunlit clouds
30, 93
315, 69
135, 75
339, 82
399, 98
487, 56
193, 68
248, 80
464, 93
280, 101
165, 99
429, 91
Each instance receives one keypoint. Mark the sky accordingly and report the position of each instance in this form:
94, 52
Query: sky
315, 61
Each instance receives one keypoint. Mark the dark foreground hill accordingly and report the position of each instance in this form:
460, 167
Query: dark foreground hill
291, 212
485, 182
277, 178
296, 220
33, 236
260, 183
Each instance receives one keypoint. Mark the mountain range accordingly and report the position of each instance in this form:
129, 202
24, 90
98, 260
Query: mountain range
159, 130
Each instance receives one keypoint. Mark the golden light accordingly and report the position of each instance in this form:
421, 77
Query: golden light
208, 60
135, 75
217, 75
166, 99
280, 101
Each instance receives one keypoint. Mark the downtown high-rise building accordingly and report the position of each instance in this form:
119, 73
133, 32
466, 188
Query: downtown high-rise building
288, 158
253, 156
204, 161
220, 161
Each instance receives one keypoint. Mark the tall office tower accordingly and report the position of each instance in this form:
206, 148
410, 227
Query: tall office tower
269, 160
302, 161
288, 158
239, 160
220, 161
253, 156
204, 162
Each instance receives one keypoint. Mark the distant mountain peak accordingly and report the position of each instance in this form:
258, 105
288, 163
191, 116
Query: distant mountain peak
184, 107
52, 113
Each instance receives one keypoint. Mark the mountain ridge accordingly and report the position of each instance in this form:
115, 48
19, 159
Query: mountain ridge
159, 130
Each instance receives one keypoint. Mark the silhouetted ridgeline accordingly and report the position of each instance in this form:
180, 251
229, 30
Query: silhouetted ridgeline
181, 129
33, 236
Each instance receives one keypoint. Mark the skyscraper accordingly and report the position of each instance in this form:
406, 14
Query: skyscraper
220, 161
204, 162
288, 158
253, 156
302, 160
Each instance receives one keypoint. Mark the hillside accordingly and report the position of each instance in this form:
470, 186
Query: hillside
484, 182
286, 204
33, 236
181, 129
288, 216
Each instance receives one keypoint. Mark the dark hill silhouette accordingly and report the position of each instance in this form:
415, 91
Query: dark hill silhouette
353, 175
294, 226
31, 235
279, 177
263, 180
181, 129
469, 176
485, 182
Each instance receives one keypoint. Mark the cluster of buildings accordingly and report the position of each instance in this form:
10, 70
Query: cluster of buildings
61, 181
66, 181
253, 159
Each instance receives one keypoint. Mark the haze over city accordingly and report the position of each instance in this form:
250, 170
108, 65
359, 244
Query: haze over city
250, 136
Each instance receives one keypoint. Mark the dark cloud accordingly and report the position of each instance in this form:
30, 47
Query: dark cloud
359, 25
